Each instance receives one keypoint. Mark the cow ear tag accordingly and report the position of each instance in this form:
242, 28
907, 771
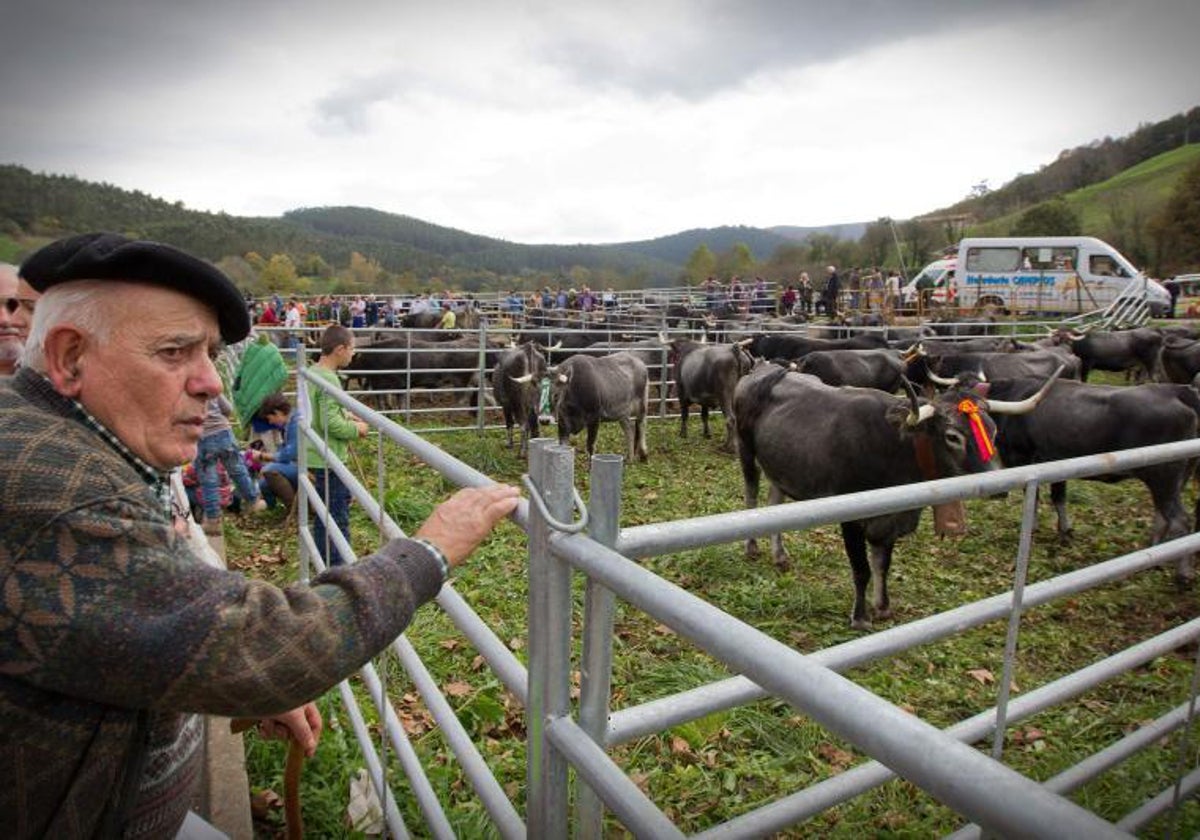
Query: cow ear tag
983, 443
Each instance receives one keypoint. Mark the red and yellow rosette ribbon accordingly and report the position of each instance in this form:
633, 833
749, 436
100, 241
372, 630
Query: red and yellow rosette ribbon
982, 441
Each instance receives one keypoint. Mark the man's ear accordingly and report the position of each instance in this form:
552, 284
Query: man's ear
63, 350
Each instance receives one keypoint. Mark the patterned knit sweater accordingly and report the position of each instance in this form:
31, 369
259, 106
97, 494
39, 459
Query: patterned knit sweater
107, 614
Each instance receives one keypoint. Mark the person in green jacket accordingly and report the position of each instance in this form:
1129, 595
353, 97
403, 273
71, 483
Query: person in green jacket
337, 427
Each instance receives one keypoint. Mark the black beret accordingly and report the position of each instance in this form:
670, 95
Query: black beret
109, 256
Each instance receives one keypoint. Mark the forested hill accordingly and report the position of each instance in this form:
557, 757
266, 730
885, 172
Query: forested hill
365, 225
1079, 167
678, 247
50, 205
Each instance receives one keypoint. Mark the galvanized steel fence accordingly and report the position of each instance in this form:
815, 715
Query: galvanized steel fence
562, 736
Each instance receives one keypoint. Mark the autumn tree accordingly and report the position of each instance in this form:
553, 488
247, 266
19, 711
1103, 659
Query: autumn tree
279, 275
701, 265
876, 242
240, 272
1176, 229
1050, 218
737, 260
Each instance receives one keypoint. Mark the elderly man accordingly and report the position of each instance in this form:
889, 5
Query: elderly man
113, 633
16, 308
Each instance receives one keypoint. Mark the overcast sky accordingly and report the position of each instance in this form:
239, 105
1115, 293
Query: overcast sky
556, 121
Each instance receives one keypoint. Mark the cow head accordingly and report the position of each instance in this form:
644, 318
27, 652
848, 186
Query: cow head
954, 433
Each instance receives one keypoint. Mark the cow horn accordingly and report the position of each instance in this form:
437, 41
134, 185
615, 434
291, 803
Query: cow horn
912, 353
941, 381
522, 380
745, 342
556, 345
919, 413
1026, 405
562, 377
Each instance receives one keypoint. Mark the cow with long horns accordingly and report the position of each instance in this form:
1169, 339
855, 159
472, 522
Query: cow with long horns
516, 385
857, 439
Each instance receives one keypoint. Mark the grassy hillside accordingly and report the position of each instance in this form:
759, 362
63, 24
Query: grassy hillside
1141, 190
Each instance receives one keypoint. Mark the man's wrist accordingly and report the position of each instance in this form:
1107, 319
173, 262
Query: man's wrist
438, 555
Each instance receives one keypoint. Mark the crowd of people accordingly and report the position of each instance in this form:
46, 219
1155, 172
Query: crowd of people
115, 632
858, 290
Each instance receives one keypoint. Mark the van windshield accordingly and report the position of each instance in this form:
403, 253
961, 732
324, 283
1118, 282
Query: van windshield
929, 278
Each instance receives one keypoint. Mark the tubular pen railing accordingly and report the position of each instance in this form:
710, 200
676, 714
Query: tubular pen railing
563, 735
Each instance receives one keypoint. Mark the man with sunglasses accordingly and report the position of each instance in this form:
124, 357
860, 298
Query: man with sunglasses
16, 311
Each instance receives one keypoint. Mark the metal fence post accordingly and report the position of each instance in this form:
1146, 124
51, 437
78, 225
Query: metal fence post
551, 467
1028, 524
408, 360
599, 607
483, 372
304, 406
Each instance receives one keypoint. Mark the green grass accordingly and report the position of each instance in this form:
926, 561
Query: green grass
1139, 191
707, 771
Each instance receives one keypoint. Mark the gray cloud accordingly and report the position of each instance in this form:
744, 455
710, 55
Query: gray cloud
716, 45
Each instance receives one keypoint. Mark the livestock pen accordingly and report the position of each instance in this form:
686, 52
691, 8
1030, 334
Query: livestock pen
535, 690
425, 388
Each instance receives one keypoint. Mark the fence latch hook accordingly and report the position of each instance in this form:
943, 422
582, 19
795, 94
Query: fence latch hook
565, 527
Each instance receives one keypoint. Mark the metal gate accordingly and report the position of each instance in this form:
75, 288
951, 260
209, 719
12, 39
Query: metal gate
562, 737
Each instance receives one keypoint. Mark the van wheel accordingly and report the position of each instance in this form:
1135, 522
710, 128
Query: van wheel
992, 306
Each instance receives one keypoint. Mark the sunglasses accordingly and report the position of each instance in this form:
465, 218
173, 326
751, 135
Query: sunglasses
12, 304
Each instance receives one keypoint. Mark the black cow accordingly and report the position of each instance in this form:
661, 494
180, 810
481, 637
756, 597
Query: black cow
965, 326
396, 364
1116, 351
941, 370
516, 385
586, 390
1180, 359
814, 440
879, 369
706, 374
794, 347
1076, 419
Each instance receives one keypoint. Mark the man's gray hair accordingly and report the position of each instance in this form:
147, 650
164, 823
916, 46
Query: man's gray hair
82, 303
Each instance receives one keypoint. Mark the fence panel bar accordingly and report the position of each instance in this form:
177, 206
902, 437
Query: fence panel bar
636, 812
599, 608
395, 821
1020, 574
551, 468
663, 713
950, 771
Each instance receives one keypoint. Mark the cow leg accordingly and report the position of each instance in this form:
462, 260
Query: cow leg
1170, 522
730, 426
1058, 498
639, 432
592, 430
778, 552
630, 438
750, 478
881, 562
510, 420
704, 421
683, 416
855, 541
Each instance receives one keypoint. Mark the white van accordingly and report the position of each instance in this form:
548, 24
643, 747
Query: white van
1051, 274
937, 279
